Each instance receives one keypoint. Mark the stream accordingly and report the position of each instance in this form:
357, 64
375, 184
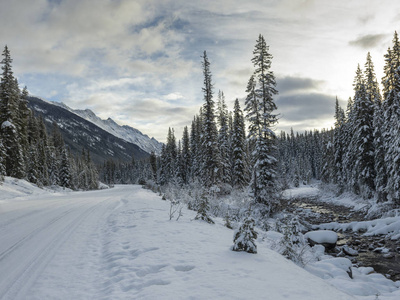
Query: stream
379, 252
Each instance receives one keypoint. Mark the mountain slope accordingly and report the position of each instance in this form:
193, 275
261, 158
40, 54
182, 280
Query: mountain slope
80, 133
124, 132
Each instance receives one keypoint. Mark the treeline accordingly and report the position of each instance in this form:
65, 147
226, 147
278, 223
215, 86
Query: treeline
27, 151
361, 154
133, 172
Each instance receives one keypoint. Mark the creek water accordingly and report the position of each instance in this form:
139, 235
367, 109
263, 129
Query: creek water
379, 252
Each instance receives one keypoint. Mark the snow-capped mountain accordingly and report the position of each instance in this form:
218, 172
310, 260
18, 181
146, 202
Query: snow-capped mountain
80, 133
124, 132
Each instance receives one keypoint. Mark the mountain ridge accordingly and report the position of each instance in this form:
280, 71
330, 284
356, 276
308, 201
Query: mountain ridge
125, 132
79, 133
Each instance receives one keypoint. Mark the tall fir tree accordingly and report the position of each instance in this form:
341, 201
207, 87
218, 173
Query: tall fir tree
260, 109
339, 145
210, 164
223, 139
391, 128
239, 159
186, 156
362, 143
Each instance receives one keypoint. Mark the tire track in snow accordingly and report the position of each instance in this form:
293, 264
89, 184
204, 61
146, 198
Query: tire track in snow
22, 270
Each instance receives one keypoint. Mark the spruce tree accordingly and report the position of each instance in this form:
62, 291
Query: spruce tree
260, 109
391, 108
240, 168
210, 166
185, 156
244, 238
223, 139
339, 145
65, 172
9, 119
362, 143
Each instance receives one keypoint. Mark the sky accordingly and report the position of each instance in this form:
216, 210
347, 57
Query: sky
139, 62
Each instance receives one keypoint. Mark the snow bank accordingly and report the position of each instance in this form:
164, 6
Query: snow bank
388, 226
361, 282
301, 192
322, 236
18, 189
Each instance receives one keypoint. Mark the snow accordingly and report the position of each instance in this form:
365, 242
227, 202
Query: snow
120, 243
389, 226
7, 124
322, 236
301, 192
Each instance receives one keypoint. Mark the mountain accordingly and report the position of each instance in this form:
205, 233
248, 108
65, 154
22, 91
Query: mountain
124, 132
80, 133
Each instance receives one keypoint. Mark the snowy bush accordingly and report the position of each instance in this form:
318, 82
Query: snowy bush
175, 208
244, 238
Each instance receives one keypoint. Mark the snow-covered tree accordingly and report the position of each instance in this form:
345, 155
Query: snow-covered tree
223, 139
238, 140
210, 164
362, 143
244, 238
260, 109
339, 145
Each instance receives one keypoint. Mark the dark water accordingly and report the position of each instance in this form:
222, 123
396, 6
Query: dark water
314, 213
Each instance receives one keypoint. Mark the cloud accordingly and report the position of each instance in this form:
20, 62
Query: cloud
290, 84
368, 41
305, 111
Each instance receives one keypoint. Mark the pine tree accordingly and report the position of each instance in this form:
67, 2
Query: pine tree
195, 148
362, 142
185, 156
379, 155
240, 168
9, 103
339, 145
259, 108
223, 139
391, 108
9, 100
153, 164
210, 165
244, 238
65, 172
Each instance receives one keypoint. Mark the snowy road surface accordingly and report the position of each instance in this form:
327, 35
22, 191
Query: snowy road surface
120, 244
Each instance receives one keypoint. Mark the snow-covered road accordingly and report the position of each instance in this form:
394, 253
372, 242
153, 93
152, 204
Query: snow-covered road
33, 232
120, 244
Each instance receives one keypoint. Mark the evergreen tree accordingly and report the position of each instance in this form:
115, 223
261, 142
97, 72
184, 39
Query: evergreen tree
210, 165
363, 142
339, 145
153, 164
65, 172
259, 108
244, 238
9, 103
185, 156
240, 168
379, 155
223, 139
391, 107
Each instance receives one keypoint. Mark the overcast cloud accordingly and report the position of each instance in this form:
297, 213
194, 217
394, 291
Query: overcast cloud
139, 62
